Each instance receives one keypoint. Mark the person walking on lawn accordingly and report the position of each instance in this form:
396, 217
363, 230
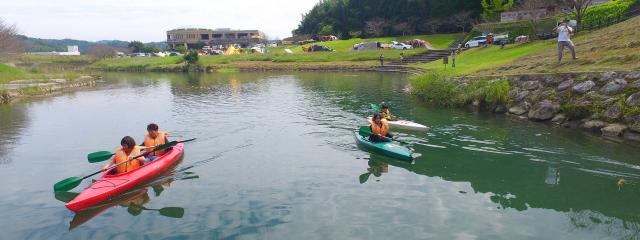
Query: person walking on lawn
564, 40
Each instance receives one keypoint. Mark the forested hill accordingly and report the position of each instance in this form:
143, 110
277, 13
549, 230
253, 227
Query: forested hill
60, 45
367, 18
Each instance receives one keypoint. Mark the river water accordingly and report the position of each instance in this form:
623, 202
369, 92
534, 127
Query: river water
276, 159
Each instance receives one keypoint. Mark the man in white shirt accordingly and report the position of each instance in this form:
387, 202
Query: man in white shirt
564, 31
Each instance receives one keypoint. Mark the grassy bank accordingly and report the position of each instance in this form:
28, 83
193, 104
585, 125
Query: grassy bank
615, 48
342, 54
437, 89
8, 73
491, 57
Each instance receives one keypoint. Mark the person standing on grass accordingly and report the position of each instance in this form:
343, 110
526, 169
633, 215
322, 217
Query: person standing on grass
564, 31
381, 60
401, 58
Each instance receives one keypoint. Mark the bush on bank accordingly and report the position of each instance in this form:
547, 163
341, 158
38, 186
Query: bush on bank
440, 90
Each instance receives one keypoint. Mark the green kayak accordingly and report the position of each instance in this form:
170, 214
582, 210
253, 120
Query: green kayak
391, 149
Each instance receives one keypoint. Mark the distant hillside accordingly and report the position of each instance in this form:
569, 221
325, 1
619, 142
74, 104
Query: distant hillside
60, 45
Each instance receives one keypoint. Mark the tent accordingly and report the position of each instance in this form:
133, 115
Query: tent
231, 50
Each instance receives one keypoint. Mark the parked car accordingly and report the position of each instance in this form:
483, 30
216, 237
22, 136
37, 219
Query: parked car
399, 45
500, 38
318, 48
476, 42
175, 54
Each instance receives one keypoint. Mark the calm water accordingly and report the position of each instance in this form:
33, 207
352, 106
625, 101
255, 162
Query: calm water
289, 167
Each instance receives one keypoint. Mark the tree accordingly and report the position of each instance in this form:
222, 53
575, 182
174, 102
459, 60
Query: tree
136, 46
191, 57
491, 9
579, 8
403, 27
326, 29
199, 45
101, 51
375, 26
10, 44
150, 49
355, 34
180, 49
461, 20
434, 25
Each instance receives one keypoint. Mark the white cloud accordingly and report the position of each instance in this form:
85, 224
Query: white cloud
148, 20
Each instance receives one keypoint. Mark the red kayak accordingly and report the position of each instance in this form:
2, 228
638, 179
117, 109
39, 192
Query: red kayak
112, 185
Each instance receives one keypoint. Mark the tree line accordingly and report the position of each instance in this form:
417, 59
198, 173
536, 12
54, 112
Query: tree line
372, 18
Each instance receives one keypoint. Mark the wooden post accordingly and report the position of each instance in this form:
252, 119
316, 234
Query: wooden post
445, 61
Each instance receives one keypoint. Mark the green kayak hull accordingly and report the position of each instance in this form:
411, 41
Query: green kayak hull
391, 149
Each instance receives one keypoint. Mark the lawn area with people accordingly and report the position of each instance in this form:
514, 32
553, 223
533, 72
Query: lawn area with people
341, 54
614, 48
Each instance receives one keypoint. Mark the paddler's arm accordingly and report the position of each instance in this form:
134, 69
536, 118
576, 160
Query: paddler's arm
106, 166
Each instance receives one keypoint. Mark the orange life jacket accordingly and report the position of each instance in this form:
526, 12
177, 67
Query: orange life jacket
121, 156
151, 142
380, 130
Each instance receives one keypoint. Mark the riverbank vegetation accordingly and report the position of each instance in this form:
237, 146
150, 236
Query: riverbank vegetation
440, 90
8, 73
615, 48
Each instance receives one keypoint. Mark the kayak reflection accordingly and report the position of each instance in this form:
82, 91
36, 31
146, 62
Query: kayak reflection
377, 165
134, 201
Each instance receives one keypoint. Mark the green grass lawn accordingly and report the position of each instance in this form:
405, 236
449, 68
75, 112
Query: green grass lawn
477, 59
438, 41
137, 62
278, 55
8, 73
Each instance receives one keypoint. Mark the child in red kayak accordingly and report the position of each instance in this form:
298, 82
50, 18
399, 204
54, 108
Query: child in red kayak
124, 154
153, 138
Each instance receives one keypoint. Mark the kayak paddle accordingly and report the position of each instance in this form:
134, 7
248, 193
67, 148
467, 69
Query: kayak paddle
172, 212
106, 155
376, 108
364, 177
65, 196
72, 182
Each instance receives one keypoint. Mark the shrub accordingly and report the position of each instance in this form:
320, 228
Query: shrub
191, 57
602, 12
497, 92
436, 89
574, 112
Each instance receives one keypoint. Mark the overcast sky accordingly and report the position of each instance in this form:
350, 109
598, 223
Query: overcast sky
148, 20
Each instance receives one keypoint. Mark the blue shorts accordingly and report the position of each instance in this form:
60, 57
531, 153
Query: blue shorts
151, 158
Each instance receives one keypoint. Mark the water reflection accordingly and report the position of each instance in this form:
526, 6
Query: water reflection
479, 176
133, 201
13, 119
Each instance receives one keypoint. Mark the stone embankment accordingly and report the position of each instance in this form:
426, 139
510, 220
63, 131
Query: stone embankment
32, 88
607, 104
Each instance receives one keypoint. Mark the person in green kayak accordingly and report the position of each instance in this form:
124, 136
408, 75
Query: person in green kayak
380, 129
386, 114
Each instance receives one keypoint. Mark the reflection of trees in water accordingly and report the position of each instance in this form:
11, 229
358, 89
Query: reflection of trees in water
13, 119
522, 185
590, 220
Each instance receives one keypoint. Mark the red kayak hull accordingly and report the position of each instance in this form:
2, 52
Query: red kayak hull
109, 186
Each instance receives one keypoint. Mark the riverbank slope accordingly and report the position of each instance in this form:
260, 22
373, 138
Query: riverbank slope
599, 92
